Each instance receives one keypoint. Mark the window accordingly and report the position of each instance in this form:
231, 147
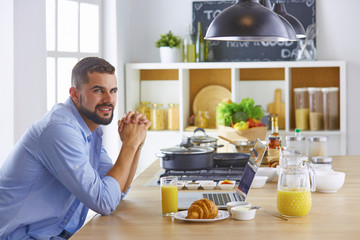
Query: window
72, 33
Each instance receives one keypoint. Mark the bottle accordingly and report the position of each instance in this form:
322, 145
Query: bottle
189, 47
202, 119
274, 143
173, 116
200, 45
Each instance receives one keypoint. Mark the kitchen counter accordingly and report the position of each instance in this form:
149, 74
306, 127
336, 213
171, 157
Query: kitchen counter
138, 216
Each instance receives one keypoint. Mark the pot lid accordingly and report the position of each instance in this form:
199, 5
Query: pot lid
182, 150
202, 138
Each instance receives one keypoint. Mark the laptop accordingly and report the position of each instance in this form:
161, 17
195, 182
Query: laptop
220, 198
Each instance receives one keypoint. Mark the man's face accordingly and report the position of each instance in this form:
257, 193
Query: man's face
97, 99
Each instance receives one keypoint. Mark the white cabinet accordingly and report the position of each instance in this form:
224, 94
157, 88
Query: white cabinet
180, 82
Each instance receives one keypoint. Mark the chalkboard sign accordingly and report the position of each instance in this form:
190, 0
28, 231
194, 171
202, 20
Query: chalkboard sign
236, 51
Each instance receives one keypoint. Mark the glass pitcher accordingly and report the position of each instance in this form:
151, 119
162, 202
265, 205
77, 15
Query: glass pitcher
295, 183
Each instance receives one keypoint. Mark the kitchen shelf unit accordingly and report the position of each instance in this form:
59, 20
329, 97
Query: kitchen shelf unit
244, 79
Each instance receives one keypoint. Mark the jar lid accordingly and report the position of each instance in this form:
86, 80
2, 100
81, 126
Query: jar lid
173, 104
300, 89
314, 89
322, 160
157, 104
330, 89
144, 103
295, 138
318, 139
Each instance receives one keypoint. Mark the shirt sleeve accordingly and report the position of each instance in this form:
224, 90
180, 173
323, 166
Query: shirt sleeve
65, 155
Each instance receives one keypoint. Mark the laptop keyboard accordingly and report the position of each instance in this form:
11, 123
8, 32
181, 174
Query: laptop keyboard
220, 199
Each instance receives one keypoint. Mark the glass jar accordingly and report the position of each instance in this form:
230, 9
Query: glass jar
322, 163
173, 116
157, 117
316, 115
145, 109
297, 141
302, 110
331, 112
202, 119
317, 146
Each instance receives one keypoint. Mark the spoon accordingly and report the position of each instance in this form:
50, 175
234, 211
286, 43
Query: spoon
260, 208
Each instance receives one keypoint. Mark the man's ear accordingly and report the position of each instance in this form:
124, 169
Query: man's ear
74, 94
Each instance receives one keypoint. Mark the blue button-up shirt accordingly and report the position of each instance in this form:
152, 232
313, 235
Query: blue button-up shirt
55, 172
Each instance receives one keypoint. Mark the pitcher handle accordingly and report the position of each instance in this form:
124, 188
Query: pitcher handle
312, 177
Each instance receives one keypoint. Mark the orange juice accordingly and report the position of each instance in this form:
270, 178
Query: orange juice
295, 202
169, 198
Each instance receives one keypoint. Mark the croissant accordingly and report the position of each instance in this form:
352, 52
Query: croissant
202, 209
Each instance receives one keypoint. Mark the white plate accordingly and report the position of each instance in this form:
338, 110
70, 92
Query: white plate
182, 216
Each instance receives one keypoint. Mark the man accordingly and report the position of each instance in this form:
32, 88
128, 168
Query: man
59, 168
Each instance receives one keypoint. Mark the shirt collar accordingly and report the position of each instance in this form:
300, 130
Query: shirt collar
81, 121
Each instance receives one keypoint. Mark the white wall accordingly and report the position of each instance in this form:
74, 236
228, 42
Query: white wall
29, 63
6, 78
337, 40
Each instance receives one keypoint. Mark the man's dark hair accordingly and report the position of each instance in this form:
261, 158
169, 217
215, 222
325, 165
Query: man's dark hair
89, 65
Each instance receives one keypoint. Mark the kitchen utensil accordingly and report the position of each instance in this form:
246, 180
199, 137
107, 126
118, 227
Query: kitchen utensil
240, 146
278, 107
260, 208
208, 98
181, 158
231, 159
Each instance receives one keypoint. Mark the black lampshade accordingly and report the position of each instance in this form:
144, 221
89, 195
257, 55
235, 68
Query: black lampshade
280, 9
247, 20
289, 29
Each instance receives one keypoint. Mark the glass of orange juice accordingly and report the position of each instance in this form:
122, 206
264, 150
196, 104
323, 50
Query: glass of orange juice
169, 195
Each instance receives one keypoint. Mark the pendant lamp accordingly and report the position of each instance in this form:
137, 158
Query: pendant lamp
289, 29
280, 9
247, 20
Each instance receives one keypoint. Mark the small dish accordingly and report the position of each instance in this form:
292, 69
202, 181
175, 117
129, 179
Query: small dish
243, 213
192, 185
259, 181
270, 172
226, 185
181, 184
208, 185
230, 205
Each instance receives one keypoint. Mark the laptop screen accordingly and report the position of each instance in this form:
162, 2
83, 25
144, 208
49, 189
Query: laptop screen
256, 156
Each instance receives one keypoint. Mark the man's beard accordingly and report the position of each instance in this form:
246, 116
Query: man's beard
93, 116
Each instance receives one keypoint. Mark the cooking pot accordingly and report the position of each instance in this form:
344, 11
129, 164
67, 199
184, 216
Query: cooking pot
204, 140
186, 158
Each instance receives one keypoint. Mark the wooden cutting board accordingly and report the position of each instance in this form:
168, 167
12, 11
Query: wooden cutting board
278, 107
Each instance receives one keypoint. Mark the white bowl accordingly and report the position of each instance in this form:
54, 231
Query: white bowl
230, 205
208, 185
243, 213
228, 186
329, 181
259, 181
192, 185
270, 172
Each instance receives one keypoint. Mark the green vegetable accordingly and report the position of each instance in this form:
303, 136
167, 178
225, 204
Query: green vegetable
240, 116
225, 111
247, 105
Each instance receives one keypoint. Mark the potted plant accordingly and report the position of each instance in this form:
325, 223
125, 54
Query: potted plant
169, 46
